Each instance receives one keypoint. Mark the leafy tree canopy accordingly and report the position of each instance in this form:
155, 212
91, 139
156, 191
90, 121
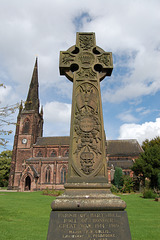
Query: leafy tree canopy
150, 143
5, 163
148, 164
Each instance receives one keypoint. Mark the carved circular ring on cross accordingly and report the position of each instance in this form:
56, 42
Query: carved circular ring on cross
82, 58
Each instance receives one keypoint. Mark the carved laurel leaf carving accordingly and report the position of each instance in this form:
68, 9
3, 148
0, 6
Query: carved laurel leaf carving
86, 42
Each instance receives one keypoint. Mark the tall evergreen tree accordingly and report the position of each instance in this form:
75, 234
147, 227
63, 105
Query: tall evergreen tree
118, 177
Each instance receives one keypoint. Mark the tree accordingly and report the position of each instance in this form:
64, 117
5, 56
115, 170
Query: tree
5, 120
5, 163
158, 181
150, 143
118, 177
148, 164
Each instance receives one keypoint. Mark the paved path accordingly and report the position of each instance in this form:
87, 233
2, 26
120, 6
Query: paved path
5, 190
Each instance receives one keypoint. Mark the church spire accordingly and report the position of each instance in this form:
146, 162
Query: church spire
32, 102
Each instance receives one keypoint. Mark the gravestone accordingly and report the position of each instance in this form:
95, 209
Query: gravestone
87, 210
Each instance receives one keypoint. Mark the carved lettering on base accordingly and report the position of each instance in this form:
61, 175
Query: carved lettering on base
91, 225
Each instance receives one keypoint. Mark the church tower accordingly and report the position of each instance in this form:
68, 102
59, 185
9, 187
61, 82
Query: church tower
29, 127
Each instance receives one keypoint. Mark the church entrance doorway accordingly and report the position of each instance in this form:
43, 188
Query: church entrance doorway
27, 184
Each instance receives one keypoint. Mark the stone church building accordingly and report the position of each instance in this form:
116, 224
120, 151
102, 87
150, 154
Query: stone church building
39, 162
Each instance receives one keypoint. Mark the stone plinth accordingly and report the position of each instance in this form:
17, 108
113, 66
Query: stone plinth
88, 196
88, 212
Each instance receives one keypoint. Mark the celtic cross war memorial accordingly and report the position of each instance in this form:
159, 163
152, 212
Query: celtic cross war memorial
87, 209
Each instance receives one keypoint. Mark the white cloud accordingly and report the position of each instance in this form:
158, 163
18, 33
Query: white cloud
147, 130
4, 94
126, 28
142, 110
57, 112
127, 117
140, 82
29, 29
57, 119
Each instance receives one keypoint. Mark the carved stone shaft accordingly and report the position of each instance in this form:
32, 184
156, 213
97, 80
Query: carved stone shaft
86, 65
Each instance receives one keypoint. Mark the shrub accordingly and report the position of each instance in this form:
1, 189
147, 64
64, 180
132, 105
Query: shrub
148, 193
128, 184
147, 183
114, 189
52, 192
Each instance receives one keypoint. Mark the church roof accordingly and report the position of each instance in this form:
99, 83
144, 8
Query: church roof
34, 171
52, 141
124, 164
123, 147
113, 147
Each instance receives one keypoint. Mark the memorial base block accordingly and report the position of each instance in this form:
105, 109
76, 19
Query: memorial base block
88, 211
89, 225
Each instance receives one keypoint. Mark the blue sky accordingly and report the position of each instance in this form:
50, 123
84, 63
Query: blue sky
129, 29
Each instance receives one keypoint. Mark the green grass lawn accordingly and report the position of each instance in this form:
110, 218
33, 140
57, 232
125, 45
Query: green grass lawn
26, 216
144, 217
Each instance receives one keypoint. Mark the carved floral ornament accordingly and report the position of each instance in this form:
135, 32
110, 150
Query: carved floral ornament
105, 59
68, 58
86, 73
86, 41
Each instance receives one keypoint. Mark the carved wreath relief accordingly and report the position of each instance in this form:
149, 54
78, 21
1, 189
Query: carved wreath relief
87, 127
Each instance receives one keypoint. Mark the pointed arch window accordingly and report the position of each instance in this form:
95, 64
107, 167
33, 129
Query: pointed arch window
39, 154
53, 153
63, 175
66, 153
48, 175
26, 126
